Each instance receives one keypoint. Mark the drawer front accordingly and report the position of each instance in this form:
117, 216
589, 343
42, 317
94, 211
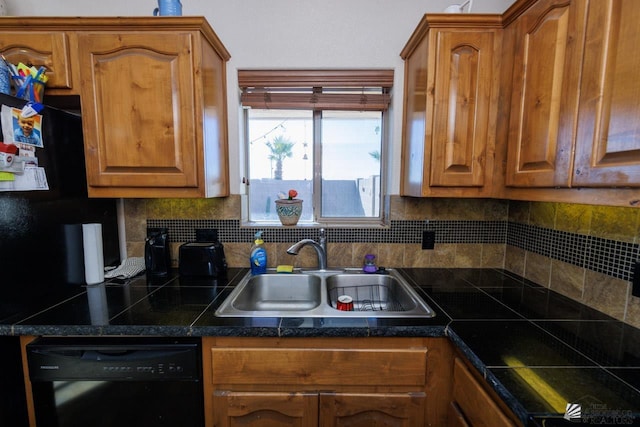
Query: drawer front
40, 48
266, 366
474, 402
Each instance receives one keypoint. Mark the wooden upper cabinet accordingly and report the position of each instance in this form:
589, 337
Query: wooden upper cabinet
608, 149
414, 124
138, 102
451, 94
152, 93
154, 112
38, 48
544, 93
461, 125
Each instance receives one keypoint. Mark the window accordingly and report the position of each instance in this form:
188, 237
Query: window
320, 133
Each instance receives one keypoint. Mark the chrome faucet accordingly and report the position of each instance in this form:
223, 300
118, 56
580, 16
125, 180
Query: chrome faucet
320, 246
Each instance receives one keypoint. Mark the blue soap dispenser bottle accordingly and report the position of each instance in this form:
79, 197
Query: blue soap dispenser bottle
258, 257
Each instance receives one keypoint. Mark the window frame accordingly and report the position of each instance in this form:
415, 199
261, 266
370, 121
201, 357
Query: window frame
318, 91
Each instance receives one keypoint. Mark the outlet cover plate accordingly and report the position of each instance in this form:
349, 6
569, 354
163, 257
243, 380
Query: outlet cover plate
428, 239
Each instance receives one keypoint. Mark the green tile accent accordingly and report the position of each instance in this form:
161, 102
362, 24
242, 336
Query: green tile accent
615, 223
573, 218
543, 214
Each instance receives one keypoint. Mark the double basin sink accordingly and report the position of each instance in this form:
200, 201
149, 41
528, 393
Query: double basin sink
315, 294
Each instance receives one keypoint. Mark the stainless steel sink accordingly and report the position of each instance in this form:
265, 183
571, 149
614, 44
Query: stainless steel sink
371, 292
315, 294
277, 292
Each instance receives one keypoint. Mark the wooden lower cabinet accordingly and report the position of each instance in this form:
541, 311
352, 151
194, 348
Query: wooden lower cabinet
326, 382
372, 409
309, 409
455, 416
264, 409
472, 405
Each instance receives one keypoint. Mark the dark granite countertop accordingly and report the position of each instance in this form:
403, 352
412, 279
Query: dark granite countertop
539, 350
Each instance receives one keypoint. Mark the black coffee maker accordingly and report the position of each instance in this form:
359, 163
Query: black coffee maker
157, 256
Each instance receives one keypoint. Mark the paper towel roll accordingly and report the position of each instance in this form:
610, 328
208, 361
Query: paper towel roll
93, 256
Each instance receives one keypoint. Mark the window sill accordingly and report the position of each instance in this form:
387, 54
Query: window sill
313, 225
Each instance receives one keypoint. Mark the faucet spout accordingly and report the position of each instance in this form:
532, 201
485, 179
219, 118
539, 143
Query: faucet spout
320, 248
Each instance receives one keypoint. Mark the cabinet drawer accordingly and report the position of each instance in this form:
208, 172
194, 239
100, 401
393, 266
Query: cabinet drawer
50, 49
475, 403
319, 366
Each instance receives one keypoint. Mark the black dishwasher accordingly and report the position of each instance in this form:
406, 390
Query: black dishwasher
116, 382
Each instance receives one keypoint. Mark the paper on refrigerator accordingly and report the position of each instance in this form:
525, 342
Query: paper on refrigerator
33, 178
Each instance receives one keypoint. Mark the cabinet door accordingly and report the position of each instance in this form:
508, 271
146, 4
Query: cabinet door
478, 407
50, 49
415, 121
455, 418
608, 148
463, 101
138, 109
546, 77
377, 409
265, 409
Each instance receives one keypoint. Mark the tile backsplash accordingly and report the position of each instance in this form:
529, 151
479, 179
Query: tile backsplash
584, 252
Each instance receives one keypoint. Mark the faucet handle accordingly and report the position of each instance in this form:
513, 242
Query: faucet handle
323, 240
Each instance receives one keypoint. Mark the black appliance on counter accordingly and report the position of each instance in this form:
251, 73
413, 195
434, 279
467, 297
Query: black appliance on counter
204, 257
35, 252
109, 382
157, 256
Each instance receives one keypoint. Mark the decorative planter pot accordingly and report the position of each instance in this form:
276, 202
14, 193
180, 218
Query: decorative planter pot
289, 211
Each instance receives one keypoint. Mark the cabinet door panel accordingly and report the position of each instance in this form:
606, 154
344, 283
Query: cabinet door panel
462, 106
265, 409
297, 366
50, 49
365, 410
545, 93
478, 407
455, 417
608, 150
137, 94
414, 148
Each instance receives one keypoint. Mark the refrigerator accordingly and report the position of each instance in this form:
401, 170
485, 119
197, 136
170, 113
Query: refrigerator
40, 255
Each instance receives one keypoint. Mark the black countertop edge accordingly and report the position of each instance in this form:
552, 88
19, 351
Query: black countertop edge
222, 331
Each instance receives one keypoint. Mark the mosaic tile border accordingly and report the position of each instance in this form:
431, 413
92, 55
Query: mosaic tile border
610, 257
447, 231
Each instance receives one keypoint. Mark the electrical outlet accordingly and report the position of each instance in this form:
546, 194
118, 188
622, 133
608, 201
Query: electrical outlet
428, 239
635, 289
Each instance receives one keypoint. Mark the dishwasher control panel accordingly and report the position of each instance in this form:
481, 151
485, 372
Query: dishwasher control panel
65, 359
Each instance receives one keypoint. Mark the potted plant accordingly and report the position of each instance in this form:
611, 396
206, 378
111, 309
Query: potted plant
289, 208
